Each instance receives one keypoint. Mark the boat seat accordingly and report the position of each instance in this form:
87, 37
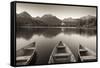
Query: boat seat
21, 58
60, 46
83, 50
62, 60
88, 58
61, 55
31, 48
21, 63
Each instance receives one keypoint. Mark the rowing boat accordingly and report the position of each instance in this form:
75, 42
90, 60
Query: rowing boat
26, 55
61, 54
86, 54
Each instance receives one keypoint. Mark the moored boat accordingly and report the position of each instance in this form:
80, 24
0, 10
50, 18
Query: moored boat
85, 54
26, 55
61, 54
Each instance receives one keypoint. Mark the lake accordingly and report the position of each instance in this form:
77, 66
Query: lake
47, 38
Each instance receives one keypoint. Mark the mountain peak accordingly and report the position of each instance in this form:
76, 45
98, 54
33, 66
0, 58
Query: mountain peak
47, 15
25, 14
50, 19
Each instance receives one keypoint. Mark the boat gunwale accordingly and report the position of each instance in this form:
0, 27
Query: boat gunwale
88, 50
66, 49
34, 50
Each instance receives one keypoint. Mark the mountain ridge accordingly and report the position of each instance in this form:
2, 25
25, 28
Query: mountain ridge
25, 19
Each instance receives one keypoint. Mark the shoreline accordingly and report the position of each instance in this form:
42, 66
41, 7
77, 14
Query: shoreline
55, 27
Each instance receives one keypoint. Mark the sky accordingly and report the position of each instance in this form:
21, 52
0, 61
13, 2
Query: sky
57, 10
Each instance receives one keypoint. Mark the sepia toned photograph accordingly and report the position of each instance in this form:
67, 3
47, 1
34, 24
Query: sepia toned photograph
55, 34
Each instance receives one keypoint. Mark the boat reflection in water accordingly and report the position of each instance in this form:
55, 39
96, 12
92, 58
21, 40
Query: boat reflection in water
47, 39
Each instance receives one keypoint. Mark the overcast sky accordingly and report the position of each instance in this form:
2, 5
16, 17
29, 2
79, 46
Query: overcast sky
56, 10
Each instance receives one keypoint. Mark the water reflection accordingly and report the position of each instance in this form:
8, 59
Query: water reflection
27, 33
47, 38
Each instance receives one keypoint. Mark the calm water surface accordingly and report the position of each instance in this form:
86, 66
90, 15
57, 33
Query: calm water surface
47, 38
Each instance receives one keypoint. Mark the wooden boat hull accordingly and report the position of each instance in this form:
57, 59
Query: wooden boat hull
26, 55
86, 55
63, 55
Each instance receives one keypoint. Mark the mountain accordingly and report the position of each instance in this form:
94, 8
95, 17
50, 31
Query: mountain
70, 22
86, 21
23, 19
87, 17
51, 20
38, 22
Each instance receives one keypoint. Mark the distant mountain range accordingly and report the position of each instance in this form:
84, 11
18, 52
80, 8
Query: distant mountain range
24, 19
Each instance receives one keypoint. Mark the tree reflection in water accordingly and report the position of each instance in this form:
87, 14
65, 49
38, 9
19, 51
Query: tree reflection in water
27, 33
